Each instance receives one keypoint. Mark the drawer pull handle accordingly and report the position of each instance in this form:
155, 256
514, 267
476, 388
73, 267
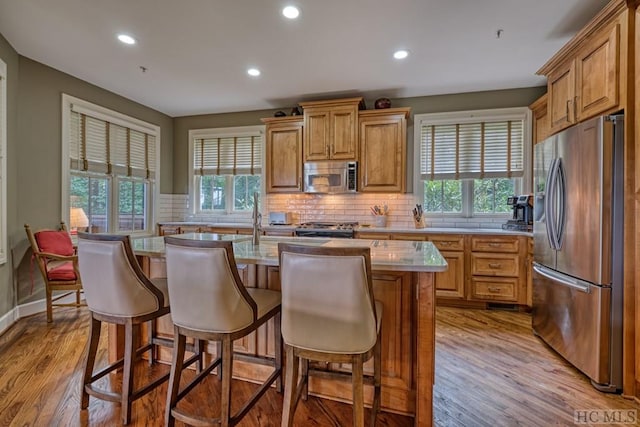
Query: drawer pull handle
493, 289
445, 243
495, 265
494, 244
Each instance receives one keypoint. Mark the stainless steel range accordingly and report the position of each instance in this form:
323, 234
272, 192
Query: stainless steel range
327, 229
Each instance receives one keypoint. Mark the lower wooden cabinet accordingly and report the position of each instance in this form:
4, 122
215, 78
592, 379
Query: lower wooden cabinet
483, 268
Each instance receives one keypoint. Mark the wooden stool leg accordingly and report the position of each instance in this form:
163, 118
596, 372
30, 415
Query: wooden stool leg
174, 378
291, 381
277, 339
78, 298
358, 392
305, 379
377, 367
131, 336
219, 354
92, 349
227, 368
151, 333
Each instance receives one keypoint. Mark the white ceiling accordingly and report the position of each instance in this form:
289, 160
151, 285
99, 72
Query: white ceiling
196, 52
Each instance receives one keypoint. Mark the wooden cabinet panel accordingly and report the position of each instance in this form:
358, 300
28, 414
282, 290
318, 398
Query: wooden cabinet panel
597, 71
190, 229
409, 236
540, 119
283, 157
495, 244
495, 288
585, 82
450, 283
447, 242
330, 129
286, 233
490, 264
383, 154
168, 230
372, 235
561, 90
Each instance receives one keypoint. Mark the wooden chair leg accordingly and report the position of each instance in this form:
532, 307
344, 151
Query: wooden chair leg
92, 349
177, 363
291, 381
358, 391
78, 298
305, 379
277, 339
151, 333
200, 345
227, 368
219, 354
131, 337
377, 368
49, 297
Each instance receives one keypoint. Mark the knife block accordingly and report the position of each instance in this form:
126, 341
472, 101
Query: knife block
419, 224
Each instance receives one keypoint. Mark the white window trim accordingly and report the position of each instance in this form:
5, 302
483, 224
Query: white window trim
82, 106
3, 162
221, 133
471, 116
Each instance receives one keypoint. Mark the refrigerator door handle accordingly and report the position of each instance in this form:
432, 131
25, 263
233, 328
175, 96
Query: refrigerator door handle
561, 186
562, 279
548, 205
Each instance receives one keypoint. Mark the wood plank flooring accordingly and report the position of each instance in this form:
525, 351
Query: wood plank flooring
490, 371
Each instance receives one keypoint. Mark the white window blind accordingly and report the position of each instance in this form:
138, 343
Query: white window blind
235, 155
486, 149
98, 145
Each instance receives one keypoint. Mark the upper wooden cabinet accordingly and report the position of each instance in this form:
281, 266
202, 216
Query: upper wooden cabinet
583, 79
283, 159
540, 119
331, 129
383, 153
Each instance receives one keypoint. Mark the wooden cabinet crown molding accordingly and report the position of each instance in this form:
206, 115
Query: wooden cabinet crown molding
610, 12
333, 103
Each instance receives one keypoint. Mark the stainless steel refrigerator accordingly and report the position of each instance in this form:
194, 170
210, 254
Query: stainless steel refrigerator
578, 247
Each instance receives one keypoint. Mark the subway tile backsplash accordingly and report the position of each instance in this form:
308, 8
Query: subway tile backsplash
331, 207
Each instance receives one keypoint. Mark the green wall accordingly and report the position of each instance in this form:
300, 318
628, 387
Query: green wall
419, 105
10, 57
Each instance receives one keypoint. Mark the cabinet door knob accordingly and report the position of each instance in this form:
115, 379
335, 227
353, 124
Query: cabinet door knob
493, 289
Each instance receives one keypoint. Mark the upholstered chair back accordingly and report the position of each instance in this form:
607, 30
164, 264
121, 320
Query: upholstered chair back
205, 289
113, 282
328, 286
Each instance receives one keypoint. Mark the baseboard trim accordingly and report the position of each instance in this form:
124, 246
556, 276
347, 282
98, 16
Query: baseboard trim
8, 319
28, 309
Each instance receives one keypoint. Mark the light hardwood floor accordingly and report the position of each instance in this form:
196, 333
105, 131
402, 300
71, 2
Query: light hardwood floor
490, 371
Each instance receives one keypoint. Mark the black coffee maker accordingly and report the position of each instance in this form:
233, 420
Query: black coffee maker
522, 219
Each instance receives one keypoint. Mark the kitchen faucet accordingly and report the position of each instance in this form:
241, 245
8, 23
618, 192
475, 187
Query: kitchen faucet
257, 219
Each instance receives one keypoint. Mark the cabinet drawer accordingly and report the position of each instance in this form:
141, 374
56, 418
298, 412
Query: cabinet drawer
190, 229
494, 288
495, 264
409, 236
448, 242
495, 244
372, 235
167, 230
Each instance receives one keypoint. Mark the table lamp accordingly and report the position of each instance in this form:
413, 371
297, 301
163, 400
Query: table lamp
78, 220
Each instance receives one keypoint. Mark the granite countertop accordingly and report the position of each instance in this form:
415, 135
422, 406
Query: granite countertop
427, 230
386, 255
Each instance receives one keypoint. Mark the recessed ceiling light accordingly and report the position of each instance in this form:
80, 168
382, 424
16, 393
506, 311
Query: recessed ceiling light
400, 54
253, 72
291, 12
126, 39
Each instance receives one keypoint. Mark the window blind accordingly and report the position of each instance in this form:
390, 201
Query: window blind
100, 146
235, 155
472, 150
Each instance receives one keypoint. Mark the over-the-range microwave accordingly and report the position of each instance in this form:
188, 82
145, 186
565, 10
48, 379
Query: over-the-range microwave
330, 176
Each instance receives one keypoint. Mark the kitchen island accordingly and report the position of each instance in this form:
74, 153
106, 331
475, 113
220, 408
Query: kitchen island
403, 280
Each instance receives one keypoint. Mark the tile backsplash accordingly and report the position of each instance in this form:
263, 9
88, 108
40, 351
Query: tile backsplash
329, 207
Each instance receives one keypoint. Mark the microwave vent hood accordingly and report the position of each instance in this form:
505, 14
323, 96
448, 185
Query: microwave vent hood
330, 177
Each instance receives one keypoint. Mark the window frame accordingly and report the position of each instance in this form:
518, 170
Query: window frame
120, 119
194, 188
514, 113
3, 163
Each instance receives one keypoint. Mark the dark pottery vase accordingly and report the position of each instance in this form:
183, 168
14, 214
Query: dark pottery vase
382, 103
